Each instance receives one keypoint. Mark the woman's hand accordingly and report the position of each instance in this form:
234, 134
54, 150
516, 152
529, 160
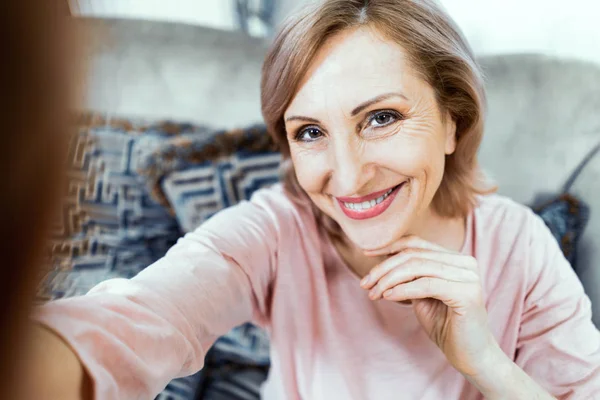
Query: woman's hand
55, 368
446, 295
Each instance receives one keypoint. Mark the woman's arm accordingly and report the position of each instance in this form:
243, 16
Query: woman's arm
558, 349
503, 379
134, 336
558, 345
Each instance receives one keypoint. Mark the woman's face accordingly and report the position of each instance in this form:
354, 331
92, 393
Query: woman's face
367, 139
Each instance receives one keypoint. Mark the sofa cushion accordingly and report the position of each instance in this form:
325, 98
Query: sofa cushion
109, 225
197, 175
185, 388
566, 217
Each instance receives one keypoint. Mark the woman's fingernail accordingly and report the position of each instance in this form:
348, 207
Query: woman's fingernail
387, 293
373, 293
365, 280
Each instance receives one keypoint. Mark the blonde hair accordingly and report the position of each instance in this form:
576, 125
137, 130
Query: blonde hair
436, 49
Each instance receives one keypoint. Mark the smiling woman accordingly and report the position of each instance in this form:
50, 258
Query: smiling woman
348, 143
416, 95
382, 264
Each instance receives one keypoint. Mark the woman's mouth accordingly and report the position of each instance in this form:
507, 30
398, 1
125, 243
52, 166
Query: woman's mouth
368, 206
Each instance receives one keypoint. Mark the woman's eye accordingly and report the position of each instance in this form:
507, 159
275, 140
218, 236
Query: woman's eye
383, 118
309, 134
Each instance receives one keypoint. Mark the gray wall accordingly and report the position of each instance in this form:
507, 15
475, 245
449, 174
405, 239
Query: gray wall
164, 70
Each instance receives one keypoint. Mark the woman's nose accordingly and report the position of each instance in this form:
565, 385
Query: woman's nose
349, 169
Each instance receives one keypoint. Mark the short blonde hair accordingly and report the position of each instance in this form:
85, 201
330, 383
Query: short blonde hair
435, 48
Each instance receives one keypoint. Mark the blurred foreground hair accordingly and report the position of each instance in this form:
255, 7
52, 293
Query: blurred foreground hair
33, 107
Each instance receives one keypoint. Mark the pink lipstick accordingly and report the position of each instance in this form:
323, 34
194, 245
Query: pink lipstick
368, 206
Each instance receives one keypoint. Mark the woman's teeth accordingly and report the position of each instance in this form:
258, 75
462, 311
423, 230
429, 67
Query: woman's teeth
365, 205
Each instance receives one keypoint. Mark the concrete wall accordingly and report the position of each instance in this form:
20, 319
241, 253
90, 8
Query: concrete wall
210, 13
156, 70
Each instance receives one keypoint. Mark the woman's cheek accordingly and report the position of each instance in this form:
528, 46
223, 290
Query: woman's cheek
408, 156
310, 167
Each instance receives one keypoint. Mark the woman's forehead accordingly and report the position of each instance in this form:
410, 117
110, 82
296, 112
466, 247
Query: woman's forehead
353, 66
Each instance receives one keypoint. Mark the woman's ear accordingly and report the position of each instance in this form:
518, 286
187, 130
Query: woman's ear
450, 126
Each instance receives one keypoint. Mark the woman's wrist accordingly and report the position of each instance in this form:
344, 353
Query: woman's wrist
499, 378
493, 375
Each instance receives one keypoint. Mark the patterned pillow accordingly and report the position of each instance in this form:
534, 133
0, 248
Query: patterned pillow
199, 192
197, 175
566, 217
181, 388
109, 225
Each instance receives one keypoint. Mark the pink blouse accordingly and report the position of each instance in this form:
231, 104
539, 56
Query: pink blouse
267, 261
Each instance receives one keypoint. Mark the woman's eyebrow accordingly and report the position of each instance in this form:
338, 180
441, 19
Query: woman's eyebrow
354, 112
374, 100
301, 118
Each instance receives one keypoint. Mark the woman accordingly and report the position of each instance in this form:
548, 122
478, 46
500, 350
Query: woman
382, 267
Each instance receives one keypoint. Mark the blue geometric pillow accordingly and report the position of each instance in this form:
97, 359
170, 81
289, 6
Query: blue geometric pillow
566, 216
200, 191
182, 388
110, 225
197, 174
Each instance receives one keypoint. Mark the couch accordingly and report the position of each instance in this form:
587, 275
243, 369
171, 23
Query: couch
118, 216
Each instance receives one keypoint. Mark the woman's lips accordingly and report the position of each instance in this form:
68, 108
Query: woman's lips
368, 206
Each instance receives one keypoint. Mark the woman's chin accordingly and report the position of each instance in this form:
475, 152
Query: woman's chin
373, 240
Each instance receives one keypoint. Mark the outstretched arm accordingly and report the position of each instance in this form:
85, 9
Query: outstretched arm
134, 336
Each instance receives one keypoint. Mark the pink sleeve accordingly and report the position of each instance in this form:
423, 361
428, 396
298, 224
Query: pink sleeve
559, 346
134, 336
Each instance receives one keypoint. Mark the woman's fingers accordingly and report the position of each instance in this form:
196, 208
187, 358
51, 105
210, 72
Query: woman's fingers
405, 243
452, 294
399, 260
416, 268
